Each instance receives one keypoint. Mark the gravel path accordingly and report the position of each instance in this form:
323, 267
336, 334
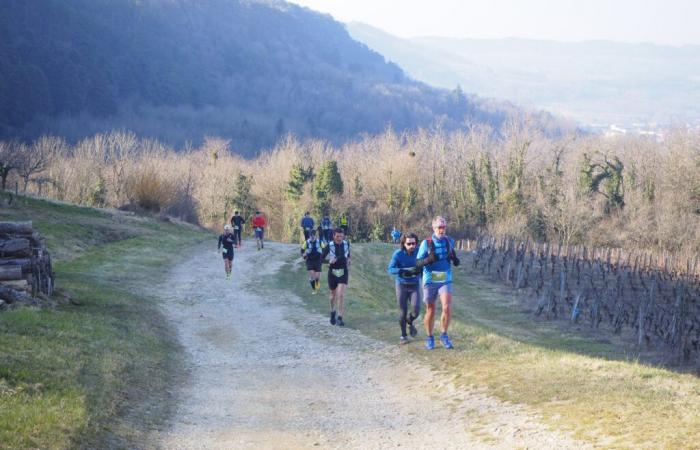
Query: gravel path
265, 373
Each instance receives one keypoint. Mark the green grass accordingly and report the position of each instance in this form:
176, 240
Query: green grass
93, 371
589, 385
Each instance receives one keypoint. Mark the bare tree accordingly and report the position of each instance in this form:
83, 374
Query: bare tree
9, 157
37, 157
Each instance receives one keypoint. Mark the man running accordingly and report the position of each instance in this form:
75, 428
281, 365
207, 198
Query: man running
338, 253
237, 222
403, 266
226, 243
259, 223
344, 224
327, 227
307, 224
435, 256
312, 252
395, 235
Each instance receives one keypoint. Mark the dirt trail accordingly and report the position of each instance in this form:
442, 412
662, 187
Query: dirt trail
265, 373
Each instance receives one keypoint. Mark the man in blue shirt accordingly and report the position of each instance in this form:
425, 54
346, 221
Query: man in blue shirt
403, 267
307, 224
436, 256
327, 227
395, 235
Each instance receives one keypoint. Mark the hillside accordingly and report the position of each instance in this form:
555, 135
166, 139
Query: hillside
597, 82
179, 70
93, 369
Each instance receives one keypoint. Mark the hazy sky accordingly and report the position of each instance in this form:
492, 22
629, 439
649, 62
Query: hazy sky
672, 22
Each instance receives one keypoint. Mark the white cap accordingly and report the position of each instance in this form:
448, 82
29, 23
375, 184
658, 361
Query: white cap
227, 227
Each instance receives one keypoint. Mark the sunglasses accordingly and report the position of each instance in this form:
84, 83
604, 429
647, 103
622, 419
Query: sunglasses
441, 227
410, 244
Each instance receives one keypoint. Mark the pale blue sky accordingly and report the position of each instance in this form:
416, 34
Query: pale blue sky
668, 22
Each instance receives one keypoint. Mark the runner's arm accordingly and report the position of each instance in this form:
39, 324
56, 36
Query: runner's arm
424, 256
394, 267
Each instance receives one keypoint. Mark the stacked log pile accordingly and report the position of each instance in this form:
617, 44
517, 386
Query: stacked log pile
656, 298
25, 264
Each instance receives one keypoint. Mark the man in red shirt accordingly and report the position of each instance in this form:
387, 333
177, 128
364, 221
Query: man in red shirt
259, 223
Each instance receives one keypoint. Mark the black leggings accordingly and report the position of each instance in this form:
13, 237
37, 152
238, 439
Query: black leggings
406, 293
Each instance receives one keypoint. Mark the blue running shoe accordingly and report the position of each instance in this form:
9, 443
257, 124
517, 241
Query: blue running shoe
446, 341
430, 343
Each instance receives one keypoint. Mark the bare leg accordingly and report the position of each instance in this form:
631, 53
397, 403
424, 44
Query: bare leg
429, 319
341, 298
446, 300
332, 299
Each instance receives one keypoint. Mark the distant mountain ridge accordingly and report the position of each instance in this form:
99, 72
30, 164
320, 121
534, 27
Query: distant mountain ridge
593, 82
179, 70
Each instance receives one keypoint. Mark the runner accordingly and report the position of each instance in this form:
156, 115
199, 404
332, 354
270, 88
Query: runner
395, 235
307, 224
327, 227
237, 222
226, 243
259, 223
312, 252
344, 224
403, 266
338, 253
434, 256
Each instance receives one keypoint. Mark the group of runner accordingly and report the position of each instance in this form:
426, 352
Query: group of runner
425, 268
231, 238
325, 228
430, 266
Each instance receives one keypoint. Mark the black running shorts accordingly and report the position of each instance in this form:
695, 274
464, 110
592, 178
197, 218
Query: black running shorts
335, 278
313, 264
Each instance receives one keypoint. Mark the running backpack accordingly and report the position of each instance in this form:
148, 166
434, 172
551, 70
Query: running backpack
431, 246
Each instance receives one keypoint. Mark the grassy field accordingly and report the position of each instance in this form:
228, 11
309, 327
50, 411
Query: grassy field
584, 384
93, 371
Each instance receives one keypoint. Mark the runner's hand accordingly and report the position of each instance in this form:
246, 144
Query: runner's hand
408, 273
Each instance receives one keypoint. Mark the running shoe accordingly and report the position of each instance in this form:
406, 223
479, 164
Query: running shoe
446, 341
332, 317
430, 343
412, 329
403, 340
228, 275
340, 322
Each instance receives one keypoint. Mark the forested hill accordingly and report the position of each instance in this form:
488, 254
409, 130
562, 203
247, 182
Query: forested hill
179, 70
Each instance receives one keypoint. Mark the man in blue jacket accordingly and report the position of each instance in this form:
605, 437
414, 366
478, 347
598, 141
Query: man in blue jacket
436, 256
403, 267
307, 224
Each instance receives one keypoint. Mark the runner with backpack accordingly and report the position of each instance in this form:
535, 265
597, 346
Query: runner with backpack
312, 252
436, 256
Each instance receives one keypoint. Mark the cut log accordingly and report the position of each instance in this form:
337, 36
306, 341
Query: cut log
24, 263
22, 285
15, 247
10, 273
12, 296
16, 227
